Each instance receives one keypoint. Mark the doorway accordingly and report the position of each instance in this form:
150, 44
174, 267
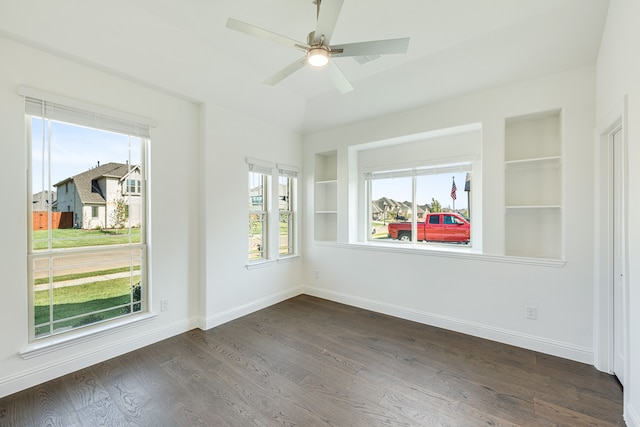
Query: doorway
610, 247
618, 235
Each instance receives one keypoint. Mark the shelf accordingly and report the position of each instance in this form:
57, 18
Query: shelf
326, 167
325, 198
533, 186
533, 136
534, 233
534, 207
535, 162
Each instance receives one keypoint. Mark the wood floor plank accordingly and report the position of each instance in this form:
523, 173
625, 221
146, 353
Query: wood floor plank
134, 402
15, 410
270, 392
311, 362
102, 413
486, 373
563, 416
207, 386
185, 409
52, 406
84, 388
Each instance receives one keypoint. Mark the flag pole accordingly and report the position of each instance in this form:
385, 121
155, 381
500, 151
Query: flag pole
453, 192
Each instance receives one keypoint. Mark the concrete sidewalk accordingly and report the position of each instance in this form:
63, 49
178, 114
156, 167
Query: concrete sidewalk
84, 280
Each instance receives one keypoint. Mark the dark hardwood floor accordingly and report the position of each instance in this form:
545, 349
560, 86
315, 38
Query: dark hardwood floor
311, 362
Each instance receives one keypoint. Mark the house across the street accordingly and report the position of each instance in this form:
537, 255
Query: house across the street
93, 195
42, 200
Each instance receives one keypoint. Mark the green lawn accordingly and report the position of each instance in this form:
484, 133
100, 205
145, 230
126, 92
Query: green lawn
381, 228
74, 238
83, 300
71, 301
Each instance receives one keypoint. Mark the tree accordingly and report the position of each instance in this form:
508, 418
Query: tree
120, 213
435, 206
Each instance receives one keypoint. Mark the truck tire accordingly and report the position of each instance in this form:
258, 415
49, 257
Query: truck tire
404, 236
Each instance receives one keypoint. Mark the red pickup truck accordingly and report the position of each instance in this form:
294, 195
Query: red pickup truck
437, 227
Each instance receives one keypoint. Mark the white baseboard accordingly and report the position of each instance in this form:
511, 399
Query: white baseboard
243, 310
99, 353
531, 342
113, 348
631, 417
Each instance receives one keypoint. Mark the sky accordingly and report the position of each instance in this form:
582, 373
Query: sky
428, 186
76, 149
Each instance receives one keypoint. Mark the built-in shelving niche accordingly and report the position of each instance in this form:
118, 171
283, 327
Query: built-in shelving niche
326, 197
533, 186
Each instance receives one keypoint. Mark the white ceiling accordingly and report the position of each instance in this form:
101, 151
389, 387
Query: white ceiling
183, 46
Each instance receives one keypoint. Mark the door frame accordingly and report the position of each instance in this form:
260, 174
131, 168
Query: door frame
603, 241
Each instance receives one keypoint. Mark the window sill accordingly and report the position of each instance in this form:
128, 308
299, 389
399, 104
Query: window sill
58, 342
266, 263
442, 251
259, 264
288, 258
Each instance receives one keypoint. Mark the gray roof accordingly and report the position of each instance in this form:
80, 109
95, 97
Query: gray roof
378, 206
84, 181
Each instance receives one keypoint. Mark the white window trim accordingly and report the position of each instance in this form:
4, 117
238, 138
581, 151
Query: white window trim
412, 170
289, 171
453, 252
273, 171
58, 342
133, 125
265, 168
358, 211
137, 122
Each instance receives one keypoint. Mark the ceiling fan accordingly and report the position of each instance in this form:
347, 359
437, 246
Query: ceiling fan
318, 51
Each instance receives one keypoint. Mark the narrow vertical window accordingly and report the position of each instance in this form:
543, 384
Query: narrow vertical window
259, 182
287, 183
87, 265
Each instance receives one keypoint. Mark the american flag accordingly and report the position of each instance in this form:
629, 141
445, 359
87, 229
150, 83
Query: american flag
453, 190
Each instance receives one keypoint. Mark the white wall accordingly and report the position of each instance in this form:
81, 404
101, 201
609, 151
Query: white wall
197, 238
231, 289
618, 74
174, 272
484, 295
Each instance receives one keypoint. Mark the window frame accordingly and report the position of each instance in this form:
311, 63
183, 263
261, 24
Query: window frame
111, 119
270, 237
265, 170
455, 144
414, 173
290, 174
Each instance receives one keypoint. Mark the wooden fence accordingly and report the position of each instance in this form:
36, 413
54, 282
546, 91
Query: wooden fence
58, 220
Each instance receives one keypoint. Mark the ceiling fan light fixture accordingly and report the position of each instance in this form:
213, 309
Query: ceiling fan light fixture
318, 57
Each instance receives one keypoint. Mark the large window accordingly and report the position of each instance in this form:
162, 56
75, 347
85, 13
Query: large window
403, 204
287, 183
423, 190
87, 249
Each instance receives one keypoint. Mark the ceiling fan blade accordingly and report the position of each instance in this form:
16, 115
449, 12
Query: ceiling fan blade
252, 30
328, 12
286, 72
377, 47
339, 79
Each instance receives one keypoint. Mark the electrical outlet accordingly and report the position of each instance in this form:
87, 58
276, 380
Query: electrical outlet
164, 304
531, 312
316, 274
